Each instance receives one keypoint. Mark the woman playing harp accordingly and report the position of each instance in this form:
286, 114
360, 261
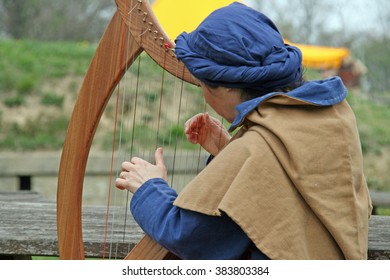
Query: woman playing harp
288, 185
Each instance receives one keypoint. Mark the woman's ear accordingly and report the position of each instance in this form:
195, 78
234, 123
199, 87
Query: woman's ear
233, 90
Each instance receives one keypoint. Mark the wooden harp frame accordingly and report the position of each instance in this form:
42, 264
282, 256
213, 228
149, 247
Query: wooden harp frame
106, 70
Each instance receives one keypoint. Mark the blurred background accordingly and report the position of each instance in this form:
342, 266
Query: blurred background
46, 47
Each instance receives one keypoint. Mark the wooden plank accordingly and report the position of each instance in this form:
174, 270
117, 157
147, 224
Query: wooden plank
379, 238
30, 228
22, 196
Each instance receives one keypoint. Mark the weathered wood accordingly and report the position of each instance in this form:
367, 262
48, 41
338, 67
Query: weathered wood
28, 228
379, 238
22, 196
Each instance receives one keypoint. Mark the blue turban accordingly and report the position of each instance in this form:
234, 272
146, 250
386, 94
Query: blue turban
239, 47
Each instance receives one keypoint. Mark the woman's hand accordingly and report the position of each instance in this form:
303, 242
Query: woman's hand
137, 171
208, 132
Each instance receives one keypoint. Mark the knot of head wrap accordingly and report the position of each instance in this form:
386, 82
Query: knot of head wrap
239, 47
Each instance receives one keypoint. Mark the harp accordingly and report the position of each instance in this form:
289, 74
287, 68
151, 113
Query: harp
106, 70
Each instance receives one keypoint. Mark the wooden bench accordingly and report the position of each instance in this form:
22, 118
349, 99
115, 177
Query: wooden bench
28, 228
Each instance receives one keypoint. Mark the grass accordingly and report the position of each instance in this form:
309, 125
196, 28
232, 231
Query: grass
373, 120
42, 132
383, 211
24, 64
50, 98
25, 67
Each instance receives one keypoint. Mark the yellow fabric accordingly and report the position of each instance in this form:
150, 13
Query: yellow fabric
176, 16
293, 182
321, 57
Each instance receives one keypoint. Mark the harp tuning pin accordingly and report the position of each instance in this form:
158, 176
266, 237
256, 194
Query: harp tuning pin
173, 52
139, 7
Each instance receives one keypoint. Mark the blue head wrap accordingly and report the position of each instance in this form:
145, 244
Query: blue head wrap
239, 47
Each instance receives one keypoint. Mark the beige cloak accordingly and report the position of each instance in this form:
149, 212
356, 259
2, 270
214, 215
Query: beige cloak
292, 180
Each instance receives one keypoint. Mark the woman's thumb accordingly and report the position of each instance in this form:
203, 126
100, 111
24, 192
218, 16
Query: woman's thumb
158, 157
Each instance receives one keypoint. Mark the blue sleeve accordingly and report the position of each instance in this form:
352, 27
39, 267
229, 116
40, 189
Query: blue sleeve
188, 234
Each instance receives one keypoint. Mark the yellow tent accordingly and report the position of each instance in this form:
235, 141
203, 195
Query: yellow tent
321, 57
176, 16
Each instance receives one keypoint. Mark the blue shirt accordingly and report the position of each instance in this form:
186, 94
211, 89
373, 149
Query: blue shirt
188, 234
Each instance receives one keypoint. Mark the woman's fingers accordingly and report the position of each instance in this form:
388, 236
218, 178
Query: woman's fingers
191, 129
126, 166
137, 171
160, 163
130, 165
122, 184
207, 131
195, 123
159, 158
196, 128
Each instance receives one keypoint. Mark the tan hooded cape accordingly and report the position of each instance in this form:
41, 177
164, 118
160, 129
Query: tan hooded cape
293, 181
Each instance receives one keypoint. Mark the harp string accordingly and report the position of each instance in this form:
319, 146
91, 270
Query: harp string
123, 141
131, 120
176, 131
113, 149
137, 99
122, 153
114, 246
121, 93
